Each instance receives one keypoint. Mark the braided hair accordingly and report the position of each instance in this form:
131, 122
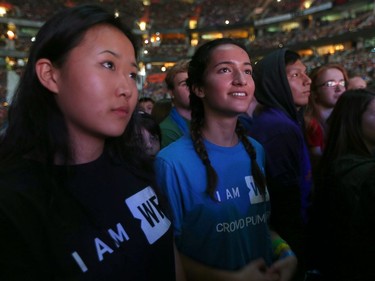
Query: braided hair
197, 67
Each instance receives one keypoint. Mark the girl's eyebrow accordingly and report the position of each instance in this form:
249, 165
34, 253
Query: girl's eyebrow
231, 62
117, 56
110, 52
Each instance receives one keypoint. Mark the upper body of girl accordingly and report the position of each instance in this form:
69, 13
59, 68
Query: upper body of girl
76, 196
214, 180
343, 220
328, 82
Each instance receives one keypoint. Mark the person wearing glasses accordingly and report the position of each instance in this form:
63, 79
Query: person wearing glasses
328, 82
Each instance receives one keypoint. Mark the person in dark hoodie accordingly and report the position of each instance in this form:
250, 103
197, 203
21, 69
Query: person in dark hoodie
282, 89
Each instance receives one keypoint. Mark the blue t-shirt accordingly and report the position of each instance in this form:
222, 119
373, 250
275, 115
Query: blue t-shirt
226, 234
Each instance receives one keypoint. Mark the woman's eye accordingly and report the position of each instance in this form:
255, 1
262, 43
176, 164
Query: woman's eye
249, 71
109, 65
225, 70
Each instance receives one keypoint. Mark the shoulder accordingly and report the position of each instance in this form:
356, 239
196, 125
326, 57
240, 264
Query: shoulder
275, 118
353, 165
167, 123
21, 176
257, 145
180, 148
253, 141
179, 157
23, 190
276, 127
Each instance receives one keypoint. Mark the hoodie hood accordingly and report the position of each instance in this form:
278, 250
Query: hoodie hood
272, 86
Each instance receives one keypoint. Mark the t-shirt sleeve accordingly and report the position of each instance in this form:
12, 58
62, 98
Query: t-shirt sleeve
167, 181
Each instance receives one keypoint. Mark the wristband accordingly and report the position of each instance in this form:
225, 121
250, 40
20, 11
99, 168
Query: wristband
285, 254
276, 242
279, 246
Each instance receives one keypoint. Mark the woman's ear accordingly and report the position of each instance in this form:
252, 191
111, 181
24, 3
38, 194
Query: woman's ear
198, 91
47, 74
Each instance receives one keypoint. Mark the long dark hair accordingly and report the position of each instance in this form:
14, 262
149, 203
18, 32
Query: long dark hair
344, 127
197, 68
36, 125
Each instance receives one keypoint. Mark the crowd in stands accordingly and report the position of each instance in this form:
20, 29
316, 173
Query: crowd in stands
357, 62
212, 13
42, 10
173, 15
164, 51
318, 30
168, 14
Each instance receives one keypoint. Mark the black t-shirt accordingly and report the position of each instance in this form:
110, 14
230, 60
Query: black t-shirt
95, 221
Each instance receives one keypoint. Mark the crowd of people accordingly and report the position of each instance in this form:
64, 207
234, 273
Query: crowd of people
172, 16
315, 30
311, 151
261, 172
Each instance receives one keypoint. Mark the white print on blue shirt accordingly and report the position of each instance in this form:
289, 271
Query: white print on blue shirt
254, 194
242, 223
144, 206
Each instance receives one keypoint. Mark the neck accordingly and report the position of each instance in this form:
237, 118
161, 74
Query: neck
186, 113
220, 133
323, 112
85, 149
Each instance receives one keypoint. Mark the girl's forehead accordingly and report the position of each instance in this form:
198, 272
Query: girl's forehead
228, 52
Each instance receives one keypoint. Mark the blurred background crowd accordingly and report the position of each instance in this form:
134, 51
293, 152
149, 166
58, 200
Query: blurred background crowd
321, 31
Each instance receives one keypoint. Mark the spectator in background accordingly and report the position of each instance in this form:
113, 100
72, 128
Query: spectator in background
342, 223
328, 82
146, 104
356, 82
282, 89
177, 123
150, 133
75, 185
213, 177
161, 109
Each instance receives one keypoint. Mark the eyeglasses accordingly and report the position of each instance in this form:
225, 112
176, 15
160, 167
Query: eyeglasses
332, 84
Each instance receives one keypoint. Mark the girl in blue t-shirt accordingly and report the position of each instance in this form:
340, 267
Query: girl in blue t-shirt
214, 177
